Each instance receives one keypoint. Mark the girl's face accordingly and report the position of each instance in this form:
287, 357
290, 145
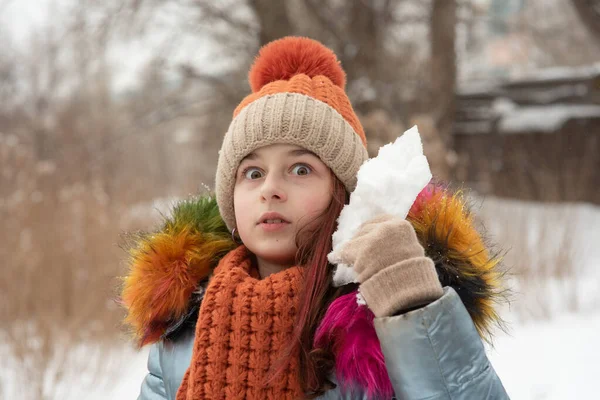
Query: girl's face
279, 189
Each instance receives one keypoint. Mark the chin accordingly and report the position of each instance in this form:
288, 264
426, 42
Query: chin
274, 252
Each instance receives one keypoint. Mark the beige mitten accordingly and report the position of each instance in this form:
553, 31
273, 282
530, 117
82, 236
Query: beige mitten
393, 271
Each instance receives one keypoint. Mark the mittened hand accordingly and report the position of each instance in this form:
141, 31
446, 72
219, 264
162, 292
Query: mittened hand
391, 266
380, 243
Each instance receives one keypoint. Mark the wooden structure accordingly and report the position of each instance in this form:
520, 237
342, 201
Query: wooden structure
532, 139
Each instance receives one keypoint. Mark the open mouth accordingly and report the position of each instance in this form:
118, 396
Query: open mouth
274, 221
272, 218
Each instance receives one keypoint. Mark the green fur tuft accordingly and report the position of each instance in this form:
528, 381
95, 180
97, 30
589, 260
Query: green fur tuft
201, 213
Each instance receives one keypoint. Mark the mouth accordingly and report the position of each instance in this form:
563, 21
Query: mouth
272, 221
272, 218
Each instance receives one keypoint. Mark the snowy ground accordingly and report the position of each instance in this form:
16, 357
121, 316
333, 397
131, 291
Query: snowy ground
539, 359
128, 387
553, 360
555, 357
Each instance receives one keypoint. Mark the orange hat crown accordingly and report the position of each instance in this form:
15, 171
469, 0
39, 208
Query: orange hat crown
305, 66
282, 59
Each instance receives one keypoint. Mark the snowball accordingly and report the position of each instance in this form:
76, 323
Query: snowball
387, 184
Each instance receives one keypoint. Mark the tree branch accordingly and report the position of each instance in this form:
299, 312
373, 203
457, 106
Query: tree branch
589, 13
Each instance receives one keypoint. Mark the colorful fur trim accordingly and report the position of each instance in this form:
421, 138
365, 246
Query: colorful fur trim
446, 230
165, 267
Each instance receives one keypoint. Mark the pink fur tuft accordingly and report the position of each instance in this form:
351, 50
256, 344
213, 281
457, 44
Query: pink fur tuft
426, 196
359, 361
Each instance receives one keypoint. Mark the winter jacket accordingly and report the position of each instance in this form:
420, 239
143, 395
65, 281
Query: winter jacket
430, 353
434, 352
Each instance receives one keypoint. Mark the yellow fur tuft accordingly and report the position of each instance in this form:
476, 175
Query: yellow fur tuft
446, 229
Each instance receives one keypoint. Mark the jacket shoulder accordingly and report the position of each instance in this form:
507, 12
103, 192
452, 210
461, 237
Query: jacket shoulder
430, 337
171, 358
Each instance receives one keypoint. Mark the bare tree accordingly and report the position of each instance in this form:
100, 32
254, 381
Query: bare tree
550, 34
442, 31
378, 43
589, 13
273, 19
62, 188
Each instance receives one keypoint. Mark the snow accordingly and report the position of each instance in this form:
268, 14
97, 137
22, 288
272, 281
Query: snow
478, 87
545, 119
387, 184
552, 360
552, 253
560, 73
513, 118
488, 86
131, 377
93, 371
553, 94
538, 359
556, 357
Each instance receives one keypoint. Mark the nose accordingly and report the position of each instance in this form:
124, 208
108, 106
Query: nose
272, 189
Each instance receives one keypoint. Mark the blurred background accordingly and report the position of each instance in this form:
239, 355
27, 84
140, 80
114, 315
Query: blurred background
111, 110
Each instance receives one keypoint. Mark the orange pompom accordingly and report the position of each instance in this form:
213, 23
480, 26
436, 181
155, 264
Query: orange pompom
289, 56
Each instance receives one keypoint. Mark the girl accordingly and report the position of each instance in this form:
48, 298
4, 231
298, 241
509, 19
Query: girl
235, 296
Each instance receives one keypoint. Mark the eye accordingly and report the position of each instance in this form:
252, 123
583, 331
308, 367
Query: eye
253, 173
301, 169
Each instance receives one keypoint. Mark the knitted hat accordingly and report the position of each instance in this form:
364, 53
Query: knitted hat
297, 98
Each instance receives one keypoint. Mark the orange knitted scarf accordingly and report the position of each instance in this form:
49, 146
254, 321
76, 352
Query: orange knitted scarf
243, 324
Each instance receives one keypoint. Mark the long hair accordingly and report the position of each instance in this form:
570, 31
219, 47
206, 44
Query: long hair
314, 243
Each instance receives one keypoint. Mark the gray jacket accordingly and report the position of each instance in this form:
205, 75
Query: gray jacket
431, 353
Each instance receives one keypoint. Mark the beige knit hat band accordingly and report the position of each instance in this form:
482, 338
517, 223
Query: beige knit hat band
287, 118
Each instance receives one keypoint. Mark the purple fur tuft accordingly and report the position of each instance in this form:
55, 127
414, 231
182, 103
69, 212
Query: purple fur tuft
348, 328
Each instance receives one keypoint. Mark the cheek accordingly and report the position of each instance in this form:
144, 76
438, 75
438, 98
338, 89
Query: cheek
314, 202
240, 205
